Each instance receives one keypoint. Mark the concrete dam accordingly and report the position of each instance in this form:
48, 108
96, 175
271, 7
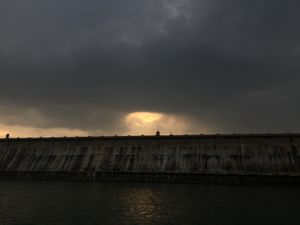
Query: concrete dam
267, 159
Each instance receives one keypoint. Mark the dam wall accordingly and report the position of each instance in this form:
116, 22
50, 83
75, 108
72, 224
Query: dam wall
223, 159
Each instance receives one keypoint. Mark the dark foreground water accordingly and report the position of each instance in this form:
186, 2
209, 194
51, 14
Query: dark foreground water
131, 203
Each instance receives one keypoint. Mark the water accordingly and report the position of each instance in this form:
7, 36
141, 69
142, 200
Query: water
82, 203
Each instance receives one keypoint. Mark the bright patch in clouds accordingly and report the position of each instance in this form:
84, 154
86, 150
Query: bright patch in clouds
143, 118
150, 122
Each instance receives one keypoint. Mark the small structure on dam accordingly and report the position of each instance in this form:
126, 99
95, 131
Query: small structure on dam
222, 159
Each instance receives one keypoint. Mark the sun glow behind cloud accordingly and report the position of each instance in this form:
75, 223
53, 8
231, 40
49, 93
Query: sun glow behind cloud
149, 122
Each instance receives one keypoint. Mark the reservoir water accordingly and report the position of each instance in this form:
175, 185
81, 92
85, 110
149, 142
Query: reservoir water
80, 203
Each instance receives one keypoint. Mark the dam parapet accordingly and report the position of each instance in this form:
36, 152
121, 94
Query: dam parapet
222, 159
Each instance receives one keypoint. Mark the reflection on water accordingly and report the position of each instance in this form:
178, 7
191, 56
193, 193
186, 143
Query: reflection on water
64, 203
141, 206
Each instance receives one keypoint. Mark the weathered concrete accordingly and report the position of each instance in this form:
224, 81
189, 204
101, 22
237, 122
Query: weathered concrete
229, 159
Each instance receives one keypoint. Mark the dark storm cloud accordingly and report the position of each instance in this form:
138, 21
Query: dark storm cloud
233, 64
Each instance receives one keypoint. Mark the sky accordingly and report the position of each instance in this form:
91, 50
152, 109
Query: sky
125, 67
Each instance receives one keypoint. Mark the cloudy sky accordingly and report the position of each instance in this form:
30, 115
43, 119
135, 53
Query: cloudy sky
131, 67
